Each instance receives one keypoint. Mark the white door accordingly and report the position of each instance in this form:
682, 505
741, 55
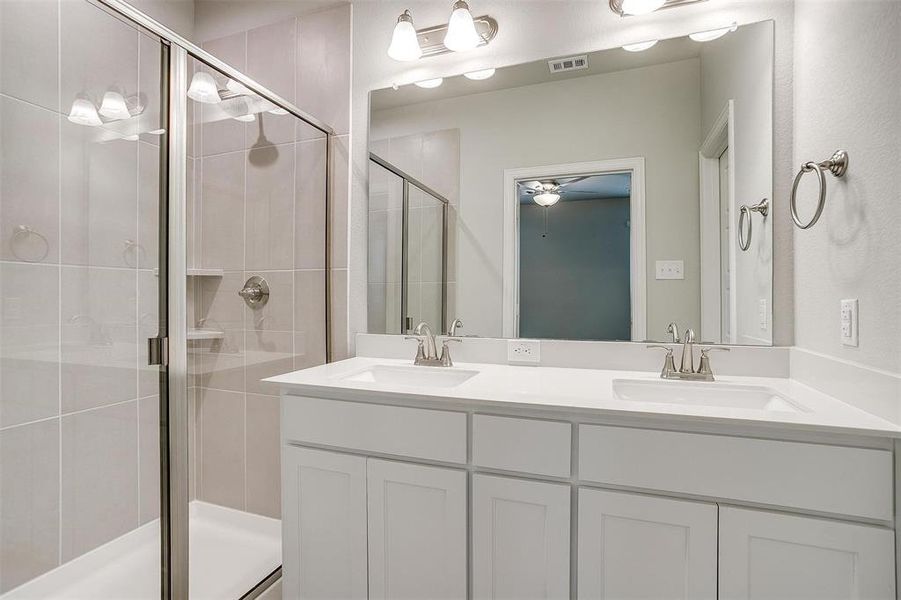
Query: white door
520, 539
767, 555
417, 532
635, 546
323, 524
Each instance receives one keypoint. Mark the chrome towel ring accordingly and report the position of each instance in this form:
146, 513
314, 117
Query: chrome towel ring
837, 165
762, 207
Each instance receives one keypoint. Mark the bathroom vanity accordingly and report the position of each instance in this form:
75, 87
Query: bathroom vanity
499, 481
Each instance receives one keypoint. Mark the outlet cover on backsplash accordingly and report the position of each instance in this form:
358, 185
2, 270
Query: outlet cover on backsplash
524, 351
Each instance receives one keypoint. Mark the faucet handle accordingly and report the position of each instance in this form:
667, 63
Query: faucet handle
669, 365
704, 367
420, 349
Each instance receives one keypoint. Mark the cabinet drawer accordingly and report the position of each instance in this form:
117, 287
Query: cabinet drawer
527, 445
831, 479
414, 432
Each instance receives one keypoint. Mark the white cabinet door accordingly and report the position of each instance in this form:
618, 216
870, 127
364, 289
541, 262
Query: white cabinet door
417, 532
634, 546
767, 555
520, 539
323, 525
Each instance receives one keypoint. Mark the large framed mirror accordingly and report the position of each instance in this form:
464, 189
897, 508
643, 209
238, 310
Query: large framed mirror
602, 196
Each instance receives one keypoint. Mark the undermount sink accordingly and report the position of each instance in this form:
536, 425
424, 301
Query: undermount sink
442, 377
724, 395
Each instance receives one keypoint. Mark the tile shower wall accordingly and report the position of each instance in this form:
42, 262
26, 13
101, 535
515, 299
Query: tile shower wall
434, 159
259, 209
79, 419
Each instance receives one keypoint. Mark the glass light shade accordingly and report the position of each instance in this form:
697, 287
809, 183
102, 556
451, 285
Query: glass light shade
713, 34
404, 42
203, 88
246, 118
479, 75
132, 138
461, 31
114, 107
640, 46
237, 88
641, 7
157, 132
546, 198
83, 112
278, 111
430, 83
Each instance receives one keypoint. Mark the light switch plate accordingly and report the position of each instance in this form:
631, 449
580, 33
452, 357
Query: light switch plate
670, 269
848, 322
524, 351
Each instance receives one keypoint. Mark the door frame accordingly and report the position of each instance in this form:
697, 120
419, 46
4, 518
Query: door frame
720, 138
637, 234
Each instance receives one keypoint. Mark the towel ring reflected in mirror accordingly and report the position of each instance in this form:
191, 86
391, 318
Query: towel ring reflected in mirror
837, 165
762, 207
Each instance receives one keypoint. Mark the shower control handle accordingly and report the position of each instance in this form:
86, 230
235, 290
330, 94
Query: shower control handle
255, 292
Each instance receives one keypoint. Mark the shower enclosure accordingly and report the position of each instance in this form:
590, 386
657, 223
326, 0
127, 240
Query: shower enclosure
143, 183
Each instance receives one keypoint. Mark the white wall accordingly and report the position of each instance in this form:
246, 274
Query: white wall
177, 15
848, 95
566, 27
651, 112
735, 67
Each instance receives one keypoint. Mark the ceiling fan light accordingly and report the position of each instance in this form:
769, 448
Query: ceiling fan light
712, 34
480, 75
461, 30
641, 7
640, 46
546, 199
430, 83
404, 42
203, 88
83, 112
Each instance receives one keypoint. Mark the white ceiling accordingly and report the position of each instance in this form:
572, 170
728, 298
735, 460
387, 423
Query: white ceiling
596, 187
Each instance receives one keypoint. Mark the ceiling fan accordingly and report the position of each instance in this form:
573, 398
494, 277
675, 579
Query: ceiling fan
549, 191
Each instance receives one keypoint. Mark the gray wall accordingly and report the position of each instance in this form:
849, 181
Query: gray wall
574, 282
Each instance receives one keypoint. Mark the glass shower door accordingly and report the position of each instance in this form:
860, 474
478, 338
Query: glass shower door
82, 141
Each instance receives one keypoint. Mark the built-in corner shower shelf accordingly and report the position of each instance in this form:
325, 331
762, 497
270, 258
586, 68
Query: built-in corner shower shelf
205, 334
192, 272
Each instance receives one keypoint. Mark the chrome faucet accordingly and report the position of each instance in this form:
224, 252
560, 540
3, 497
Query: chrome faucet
686, 370
427, 350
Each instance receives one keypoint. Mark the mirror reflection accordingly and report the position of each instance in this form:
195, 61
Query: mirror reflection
603, 196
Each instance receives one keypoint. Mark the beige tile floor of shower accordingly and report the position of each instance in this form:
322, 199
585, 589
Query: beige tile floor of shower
230, 552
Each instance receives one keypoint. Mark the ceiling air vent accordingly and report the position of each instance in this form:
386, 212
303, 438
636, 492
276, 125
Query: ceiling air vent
570, 63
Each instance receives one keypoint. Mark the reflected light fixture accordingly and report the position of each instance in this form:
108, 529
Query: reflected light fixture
461, 31
157, 132
641, 7
238, 88
640, 46
404, 43
246, 118
83, 112
278, 111
712, 34
113, 107
203, 88
480, 75
430, 83
546, 199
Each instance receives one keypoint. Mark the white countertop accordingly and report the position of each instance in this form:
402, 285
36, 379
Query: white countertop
583, 392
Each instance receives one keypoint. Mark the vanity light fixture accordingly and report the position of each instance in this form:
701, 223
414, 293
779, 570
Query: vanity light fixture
640, 46
404, 42
640, 7
461, 30
157, 132
480, 75
249, 118
712, 34
203, 88
430, 83
237, 88
113, 107
278, 111
546, 199
83, 112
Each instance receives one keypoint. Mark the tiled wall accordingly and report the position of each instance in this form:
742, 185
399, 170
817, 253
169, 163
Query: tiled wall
259, 209
79, 459
434, 159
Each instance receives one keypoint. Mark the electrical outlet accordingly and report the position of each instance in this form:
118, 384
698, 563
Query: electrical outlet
849, 320
524, 351
670, 269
